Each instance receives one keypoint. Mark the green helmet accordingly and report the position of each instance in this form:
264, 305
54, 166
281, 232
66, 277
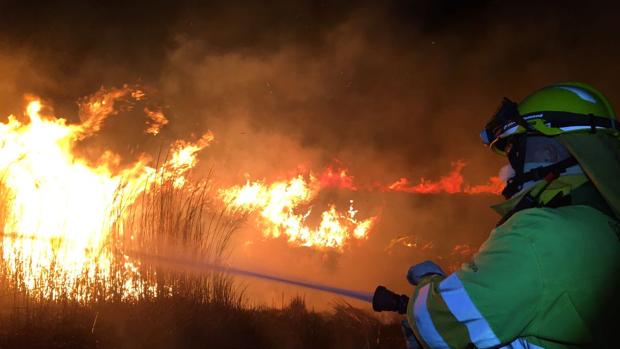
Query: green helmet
581, 119
551, 111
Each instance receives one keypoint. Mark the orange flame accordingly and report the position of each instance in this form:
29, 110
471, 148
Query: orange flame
339, 179
96, 108
280, 207
156, 121
494, 186
60, 209
280, 204
453, 183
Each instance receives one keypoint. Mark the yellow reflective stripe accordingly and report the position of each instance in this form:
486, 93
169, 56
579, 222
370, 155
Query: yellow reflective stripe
423, 322
465, 311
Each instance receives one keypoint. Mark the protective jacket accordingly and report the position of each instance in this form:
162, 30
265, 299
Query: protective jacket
541, 280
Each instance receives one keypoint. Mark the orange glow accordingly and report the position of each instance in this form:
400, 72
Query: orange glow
494, 186
156, 121
339, 179
453, 183
463, 250
59, 209
280, 206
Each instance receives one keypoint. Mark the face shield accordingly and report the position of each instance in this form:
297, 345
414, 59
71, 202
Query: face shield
531, 159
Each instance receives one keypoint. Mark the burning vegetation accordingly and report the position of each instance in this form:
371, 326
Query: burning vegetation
74, 229
67, 220
323, 118
278, 203
70, 223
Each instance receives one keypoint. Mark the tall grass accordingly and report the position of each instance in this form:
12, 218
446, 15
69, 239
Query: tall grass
166, 308
165, 219
188, 220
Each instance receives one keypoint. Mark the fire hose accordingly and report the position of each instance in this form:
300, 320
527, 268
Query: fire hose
382, 299
386, 300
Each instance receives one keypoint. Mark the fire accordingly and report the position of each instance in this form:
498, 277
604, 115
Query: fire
59, 209
494, 186
452, 183
156, 121
280, 206
337, 178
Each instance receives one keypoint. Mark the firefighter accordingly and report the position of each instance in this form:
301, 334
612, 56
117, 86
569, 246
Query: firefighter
547, 275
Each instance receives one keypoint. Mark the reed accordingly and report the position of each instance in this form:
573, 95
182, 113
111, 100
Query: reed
166, 218
165, 308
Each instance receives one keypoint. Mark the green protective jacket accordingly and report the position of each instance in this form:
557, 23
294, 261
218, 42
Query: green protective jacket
541, 280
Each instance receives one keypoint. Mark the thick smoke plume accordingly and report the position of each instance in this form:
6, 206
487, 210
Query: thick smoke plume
388, 91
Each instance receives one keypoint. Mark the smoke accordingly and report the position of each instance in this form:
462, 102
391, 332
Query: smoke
182, 264
389, 91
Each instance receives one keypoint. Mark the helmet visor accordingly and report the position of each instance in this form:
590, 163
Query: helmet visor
506, 117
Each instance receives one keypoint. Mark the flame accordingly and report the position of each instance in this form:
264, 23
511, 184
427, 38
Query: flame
494, 186
337, 178
58, 208
280, 206
408, 241
156, 121
96, 108
452, 183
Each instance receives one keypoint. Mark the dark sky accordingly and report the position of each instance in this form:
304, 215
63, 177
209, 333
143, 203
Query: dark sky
413, 78
399, 89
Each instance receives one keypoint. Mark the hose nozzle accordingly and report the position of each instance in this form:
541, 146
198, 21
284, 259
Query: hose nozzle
386, 300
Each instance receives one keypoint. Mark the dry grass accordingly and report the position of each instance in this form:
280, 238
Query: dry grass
165, 219
175, 322
168, 308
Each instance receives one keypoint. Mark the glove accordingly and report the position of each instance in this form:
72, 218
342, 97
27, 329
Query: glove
418, 271
410, 339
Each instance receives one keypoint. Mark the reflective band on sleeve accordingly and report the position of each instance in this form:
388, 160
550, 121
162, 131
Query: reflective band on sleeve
521, 343
424, 323
456, 298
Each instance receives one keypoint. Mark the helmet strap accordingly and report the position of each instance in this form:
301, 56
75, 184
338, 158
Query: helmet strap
552, 172
516, 157
592, 123
529, 201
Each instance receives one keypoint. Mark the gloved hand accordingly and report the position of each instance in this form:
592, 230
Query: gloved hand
410, 339
418, 271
